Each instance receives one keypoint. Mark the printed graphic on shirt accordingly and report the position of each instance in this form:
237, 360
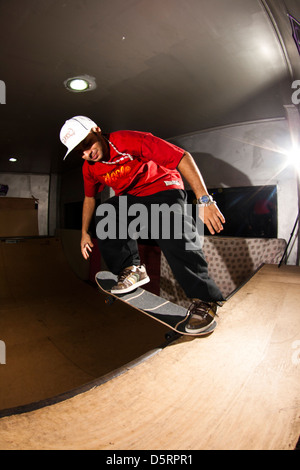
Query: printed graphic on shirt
114, 175
173, 182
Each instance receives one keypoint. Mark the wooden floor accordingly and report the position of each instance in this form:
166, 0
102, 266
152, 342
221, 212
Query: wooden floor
236, 389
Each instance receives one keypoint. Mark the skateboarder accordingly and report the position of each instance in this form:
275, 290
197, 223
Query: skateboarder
148, 172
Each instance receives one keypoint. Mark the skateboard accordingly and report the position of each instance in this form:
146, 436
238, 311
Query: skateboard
157, 308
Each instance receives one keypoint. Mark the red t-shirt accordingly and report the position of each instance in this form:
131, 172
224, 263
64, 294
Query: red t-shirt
151, 169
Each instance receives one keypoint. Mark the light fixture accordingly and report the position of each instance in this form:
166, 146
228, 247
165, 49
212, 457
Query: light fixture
80, 84
293, 157
13, 160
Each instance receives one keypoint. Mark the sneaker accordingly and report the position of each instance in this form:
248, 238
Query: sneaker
202, 315
130, 278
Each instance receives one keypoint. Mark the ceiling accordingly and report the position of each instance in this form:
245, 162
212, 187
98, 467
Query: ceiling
170, 67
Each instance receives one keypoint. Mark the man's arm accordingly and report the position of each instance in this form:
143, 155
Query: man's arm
211, 215
89, 204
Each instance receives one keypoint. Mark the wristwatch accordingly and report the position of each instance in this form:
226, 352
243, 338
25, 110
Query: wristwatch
205, 201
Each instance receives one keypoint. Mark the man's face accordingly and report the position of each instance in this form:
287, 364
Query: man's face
93, 148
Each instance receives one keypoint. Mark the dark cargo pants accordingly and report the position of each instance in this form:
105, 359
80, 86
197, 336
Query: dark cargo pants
166, 218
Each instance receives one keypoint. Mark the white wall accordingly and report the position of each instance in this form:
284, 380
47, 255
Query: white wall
249, 155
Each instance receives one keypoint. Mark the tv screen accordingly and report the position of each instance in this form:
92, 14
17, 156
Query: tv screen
250, 211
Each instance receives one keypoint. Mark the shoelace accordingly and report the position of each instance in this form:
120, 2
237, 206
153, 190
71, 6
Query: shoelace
124, 274
199, 308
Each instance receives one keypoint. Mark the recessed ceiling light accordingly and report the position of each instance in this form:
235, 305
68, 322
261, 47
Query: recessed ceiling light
77, 84
80, 84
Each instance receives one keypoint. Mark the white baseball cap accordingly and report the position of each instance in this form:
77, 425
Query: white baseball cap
74, 131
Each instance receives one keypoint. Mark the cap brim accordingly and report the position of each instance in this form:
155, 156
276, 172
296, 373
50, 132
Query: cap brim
73, 148
69, 151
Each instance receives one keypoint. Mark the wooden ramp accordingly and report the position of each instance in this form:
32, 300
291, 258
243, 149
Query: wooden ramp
58, 332
236, 389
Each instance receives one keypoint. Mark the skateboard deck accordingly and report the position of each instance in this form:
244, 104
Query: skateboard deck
159, 309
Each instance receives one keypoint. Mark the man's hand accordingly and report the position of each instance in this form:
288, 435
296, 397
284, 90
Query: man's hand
87, 214
86, 245
212, 217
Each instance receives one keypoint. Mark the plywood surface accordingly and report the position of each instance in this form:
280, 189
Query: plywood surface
58, 332
18, 217
236, 389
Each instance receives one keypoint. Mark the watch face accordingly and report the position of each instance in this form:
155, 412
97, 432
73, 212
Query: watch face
205, 199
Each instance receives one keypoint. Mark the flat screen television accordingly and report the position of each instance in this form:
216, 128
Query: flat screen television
250, 211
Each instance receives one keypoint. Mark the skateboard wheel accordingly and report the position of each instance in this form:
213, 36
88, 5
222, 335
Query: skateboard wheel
171, 335
109, 300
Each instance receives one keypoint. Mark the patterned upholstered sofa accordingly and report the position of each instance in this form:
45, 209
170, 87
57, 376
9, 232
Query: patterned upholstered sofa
231, 262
